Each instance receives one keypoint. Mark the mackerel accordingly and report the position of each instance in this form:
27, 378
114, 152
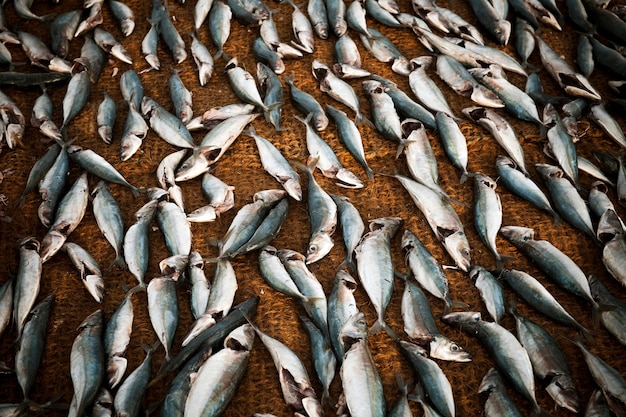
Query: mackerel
491, 292
175, 228
306, 104
135, 131
129, 395
200, 286
454, 143
341, 306
613, 318
453, 73
167, 177
425, 89
181, 97
116, 338
202, 57
136, 242
163, 311
350, 136
106, 119
498, 403
27, 282
88, 269
169, 127
352, 226
324, 360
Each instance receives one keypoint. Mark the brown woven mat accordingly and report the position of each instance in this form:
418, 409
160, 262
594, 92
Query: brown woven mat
278, 315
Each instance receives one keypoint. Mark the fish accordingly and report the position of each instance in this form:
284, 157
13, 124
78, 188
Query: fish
306, 103
166, 176
124, 16
169, 127
110, 45
316, 11
169, 34
491, 292
200, 13
322, 216
250, 12
293, 376
62, 29
454, 143
219, 376
302, 30
273, 89
611, 318
136, 245
106, 118
38, 171
549, 362
6, 303
277, 166
219, 26
360, 380
244, 85
51, 183
341, 307
200, 286
352, 227
561, 147
434, 382
609, 125
326, 160
42, 117
88, 269
350, 136
132, 89
383, 49
501, 130
93, 19
275, 274
149, 45
181, 97
555, 264
420, 157
498, 27
220, 195
324, 360
76, 97
487, 213
175, 228
163, 310
498, 402
538, 297
130, 393
384, 113
87, 363
442, 219
611, 232
135, 131
375, 266
425, 89
569, 204
453, 73
420, 326
69, 214
30, 348
504, 349
203, 58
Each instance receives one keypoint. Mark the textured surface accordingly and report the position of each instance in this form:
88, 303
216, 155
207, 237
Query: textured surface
277, 315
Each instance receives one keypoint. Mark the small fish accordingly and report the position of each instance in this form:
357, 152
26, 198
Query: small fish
42, 117
454, 142
273, 89
277, 166
243, 84
110, 45
136, 246
62, 29
336, 12
609, 125
424, 88
27, 282
124, 16
384, 113
87, 363
170, 35
175, 228
203, 59
76, 96
490, 291
375, 266
92, 58
106, 118
306, 104
181, 97
50, 178
489, 18
200, 13
221, 199
131, 88
149, 45
350, 136
383, 49
487, 213
316, 9
219, 26
169, 127
91, 21
130, 393
163, 311
88, 269
419, 154
6, 303
498, 402
453, 73
135, 131
612, 318
611, 232
352, 227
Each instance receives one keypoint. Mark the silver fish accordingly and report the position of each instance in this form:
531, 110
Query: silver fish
135, 131
30, 348
119, 327
166, 176
243, 84
383, 49
350, 136
384, 113
70, 212
442, 219
109, 44
202, 57
549, 363
220, 301
501, 130
453, 73
88, 269
170, 35
136, 246
420, 326
91, 21
336, 12
62, 30
608, 124
424, 88
498, 402
106, 119
567, 201
420, 157
169, 127
360, 380
294, 379
76, 96
573, 83
27, 282
273, 89
218, 378
98, 166
487, 213
175, 227
93, 58
306, 104
129, 395
275, 274
524, 40
326, 160
454, 142
149, 45
561, 147
51, 183
490, 55
200, 286
277, 166
181, 97
490, 290
322, 217
163, 310
87, 363
324, 360
352, 227
103, 404
355, 17
221, 199
214, 115
219, 26
490, 19
612, 318
341, 307
611, 232
375, 266
124, 16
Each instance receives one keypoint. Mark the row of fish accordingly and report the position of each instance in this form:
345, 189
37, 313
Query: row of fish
372, 252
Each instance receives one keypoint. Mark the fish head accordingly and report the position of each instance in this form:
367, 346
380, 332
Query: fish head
93, 321
465, 320
389, 225
504, 161
130, 146
148, 105
95, 285
240, 339
458, 247
203, 214
372, 87
347, 179
475, 114
577, 85
269, 197
547, 171
486, 98
563, 391
293, 188
502, 31
408, 240
319, 246
174, 266
231, 65
421, 62
192, 167
411, 125
609, 226
320, 121
445, 349
517, 234
355, 328
401, 65
51, 244
483, 181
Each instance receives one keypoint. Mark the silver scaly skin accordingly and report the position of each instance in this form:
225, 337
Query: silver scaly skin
163, 311
498, 403
88, 268
453, 73
341, 306
136, 242
425, 89
129, 395
491, 292
181, 97
106, 118
27, 282
169, 127
324, 360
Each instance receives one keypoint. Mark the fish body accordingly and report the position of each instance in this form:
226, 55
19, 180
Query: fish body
163, 310
341, 307
95, 164
136, 242
375, 266
112, 46
87, 363
76, 97
130, 394
169, 127
135, 131
116, 338
487, 212
175, 227
124, 16
278, 167
203, 59
51, 183
453, 73
384, 113
498, 402
88, 268
612, 319
425, 89
106, 118
490, 291
336, 88
181, 97
498, 27
454, 142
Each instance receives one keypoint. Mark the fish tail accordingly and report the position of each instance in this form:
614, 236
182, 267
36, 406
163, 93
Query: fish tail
119, 262
464, 176
327, 399
587, 335
360, 118
369, 172
380, 326
453, 305
137, 288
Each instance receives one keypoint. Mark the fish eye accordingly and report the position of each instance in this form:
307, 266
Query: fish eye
455, 347
313, 248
